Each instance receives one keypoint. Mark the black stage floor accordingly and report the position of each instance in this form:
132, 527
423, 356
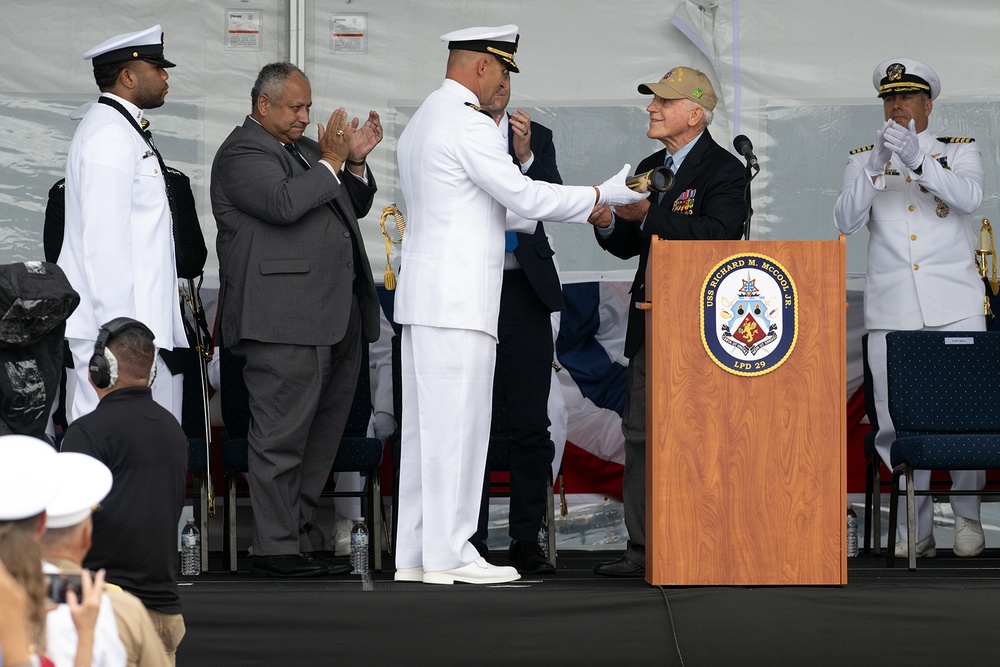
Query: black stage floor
942, 613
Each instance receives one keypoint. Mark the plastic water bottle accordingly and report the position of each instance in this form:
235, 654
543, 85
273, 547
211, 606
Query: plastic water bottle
190, 550
852, 533
359, 547
543, 538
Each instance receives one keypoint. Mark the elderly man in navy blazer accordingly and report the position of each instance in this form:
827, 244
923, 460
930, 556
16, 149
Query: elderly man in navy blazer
705, 202
297, 300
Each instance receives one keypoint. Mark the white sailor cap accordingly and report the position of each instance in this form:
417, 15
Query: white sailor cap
85, 483
501, 41
142, 45
905, 75
27, 476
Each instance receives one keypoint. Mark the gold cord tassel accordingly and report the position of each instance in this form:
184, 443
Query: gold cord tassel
390, 277
986, 249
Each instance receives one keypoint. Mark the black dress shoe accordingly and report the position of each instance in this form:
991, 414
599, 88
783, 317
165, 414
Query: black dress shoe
623, 567
287, 566
332, 565
528, 558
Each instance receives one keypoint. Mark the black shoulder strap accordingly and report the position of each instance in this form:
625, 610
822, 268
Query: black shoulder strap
145, 134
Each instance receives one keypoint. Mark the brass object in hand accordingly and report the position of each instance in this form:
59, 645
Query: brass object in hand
660, 179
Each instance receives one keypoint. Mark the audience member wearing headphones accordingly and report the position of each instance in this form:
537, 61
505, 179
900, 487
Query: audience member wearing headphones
135, 534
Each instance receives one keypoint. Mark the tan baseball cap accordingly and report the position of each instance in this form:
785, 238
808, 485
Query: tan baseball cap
683, 83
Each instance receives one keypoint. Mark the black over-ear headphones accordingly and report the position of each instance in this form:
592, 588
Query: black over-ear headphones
103, 365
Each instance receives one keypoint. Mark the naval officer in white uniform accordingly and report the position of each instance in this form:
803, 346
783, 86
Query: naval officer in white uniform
118, 251
916, 193
462, 193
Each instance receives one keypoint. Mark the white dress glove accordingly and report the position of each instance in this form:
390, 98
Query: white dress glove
881, 154
903, 142
614, 192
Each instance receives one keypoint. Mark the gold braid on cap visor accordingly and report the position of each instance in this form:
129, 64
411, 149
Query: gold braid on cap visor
502, 55
903, 86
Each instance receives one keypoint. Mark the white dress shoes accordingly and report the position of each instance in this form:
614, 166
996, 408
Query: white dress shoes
926, 548
476, 572
409, 574
969, 538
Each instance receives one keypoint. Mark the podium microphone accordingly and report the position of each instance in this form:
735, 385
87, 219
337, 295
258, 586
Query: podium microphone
745, 148
660, 179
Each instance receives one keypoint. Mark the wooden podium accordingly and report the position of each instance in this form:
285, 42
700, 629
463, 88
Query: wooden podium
745, 461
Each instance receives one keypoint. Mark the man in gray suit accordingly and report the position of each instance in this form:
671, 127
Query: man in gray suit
296, 300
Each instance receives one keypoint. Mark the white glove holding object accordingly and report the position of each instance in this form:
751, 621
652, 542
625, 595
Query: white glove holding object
881, 154
614, 192
903, 142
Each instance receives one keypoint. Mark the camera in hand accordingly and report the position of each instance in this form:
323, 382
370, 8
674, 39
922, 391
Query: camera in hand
59, 584
660, 179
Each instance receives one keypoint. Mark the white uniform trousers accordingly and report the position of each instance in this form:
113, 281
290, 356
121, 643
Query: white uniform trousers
447, 408
964, 506
81, 397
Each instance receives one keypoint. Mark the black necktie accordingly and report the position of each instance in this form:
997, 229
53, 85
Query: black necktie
296, 154
669, 164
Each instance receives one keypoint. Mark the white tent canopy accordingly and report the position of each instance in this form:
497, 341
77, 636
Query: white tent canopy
793, 75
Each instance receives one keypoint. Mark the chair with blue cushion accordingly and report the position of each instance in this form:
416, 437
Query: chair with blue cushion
193, 425
357, 453
943, 399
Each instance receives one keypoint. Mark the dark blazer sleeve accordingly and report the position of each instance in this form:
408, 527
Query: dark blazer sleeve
533, 251
543, 167
361, 194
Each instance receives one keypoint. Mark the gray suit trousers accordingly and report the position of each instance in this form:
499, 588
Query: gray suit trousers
300, 398
634, 479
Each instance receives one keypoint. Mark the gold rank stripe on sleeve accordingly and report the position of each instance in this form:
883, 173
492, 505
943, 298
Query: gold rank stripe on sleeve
956, 140
862, 149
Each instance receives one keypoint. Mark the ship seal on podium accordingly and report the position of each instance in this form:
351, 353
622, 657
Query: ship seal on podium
749, 314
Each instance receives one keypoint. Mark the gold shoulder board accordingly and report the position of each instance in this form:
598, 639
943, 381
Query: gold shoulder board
479, 109
956, 140
862, 149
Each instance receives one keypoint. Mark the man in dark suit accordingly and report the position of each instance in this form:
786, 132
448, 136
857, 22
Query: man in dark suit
706, 202
531, 293
296, 300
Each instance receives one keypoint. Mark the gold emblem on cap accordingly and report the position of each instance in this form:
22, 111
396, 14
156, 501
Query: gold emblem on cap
895, 71
135, 54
